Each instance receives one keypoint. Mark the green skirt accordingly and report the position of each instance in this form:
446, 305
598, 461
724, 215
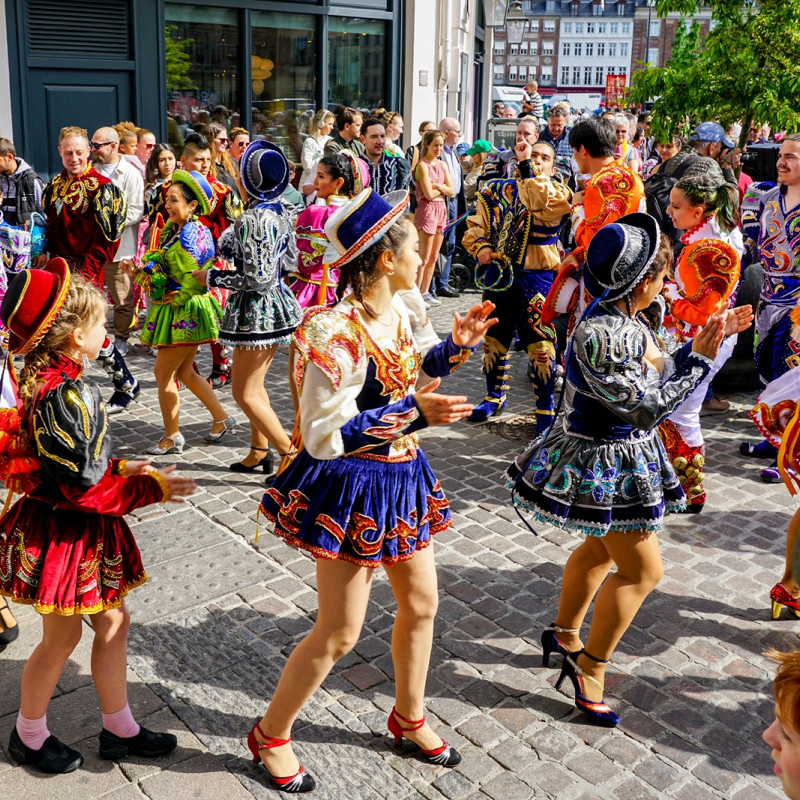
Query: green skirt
195, 322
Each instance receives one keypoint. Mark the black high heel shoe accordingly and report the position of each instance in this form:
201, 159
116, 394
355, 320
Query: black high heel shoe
551, 644
445, 755
267, 464
599, 712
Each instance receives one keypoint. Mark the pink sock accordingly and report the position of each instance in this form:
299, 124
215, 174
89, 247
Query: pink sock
32, 732
121, 723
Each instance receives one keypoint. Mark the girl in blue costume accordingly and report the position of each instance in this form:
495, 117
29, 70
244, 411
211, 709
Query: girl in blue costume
602, 469
360, 494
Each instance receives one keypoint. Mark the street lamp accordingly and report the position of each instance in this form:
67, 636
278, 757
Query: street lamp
494, 12
515, 23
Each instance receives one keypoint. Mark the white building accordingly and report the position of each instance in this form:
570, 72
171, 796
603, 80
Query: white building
590, 49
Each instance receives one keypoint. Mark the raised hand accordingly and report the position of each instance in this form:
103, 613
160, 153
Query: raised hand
738, 319
179, 487
137, 468
469, 330
707, 342
441, 409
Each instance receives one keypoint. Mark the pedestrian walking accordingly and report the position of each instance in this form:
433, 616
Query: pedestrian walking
260, 312
81, 559
603, 471
360, 494
21, 188
433, 188
182, 315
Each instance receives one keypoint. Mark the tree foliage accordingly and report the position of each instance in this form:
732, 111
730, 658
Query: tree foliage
178, 61
748, 69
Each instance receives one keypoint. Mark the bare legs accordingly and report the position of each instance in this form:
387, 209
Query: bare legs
176, 364
247, 377
788, 579
429, 246
343, 591
60, 636
639, 569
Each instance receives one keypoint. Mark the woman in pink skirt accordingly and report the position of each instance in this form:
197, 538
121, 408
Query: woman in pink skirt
433, 187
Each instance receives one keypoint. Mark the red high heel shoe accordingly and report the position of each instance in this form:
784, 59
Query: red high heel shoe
298, 783
445, 756
780, 597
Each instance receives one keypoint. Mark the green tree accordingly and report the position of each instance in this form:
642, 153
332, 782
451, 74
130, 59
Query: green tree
748, 69
686, 46
178, 61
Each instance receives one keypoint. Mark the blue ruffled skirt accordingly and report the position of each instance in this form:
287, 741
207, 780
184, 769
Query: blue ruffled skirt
369, 512
593, 486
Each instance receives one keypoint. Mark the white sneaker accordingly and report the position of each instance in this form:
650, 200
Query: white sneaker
430, 300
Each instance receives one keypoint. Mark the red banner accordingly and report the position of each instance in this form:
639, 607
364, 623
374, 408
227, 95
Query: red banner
615, 89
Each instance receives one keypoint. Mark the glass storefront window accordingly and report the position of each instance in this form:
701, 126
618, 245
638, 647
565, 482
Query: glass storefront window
357, 62
202, 67
283, 87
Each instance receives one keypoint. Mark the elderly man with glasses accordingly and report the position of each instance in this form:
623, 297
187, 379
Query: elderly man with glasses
456, 205
86, 216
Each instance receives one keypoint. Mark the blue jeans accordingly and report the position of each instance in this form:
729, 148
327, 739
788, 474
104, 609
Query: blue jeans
442, 280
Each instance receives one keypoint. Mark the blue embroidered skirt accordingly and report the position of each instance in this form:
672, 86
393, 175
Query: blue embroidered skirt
365, 511
593, 486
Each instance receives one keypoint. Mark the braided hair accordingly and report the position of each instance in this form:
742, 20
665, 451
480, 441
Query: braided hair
720, 201
83, 305
339, 167
362, 272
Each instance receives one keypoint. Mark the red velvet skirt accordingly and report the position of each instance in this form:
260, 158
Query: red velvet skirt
66, 562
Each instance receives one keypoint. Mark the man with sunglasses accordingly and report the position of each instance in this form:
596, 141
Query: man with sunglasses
145, 144
239, 139
86, 214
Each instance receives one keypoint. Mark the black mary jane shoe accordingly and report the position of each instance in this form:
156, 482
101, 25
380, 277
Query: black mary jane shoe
147, 744
54, 756
8, 632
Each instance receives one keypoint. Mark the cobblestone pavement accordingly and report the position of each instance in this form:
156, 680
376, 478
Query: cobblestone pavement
213, 626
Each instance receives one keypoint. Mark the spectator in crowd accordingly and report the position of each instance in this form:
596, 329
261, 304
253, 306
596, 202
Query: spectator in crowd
508, 112
503, 165
663, 153
319, 134
393, 123
451, 128
556, 133
159, 169
531, 96
222, 166
413, 152
20, 187
707, 144
386, 173
220, 115
625, 151
433, 187
348, 124
145, 143
109, 162
478, 152
497, 109
240, 138
127, 145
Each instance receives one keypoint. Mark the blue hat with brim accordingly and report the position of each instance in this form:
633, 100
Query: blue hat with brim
620, 255
265, 170
199, 187
354, 227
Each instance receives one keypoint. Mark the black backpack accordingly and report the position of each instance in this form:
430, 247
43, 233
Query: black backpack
656, 192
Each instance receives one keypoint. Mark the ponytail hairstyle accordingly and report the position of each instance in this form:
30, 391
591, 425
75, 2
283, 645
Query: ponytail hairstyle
720, 201
362, 272
84, 305
338, 166
428, 138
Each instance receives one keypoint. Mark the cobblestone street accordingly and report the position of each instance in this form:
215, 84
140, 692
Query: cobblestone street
213, 626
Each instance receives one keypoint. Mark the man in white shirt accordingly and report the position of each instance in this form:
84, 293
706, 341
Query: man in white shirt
108, 161
451, 128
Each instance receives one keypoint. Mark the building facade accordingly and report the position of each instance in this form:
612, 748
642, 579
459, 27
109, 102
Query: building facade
266, 65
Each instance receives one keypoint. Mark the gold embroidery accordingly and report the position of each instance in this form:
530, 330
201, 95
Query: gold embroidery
102, 436
37, 432
66, 438
72, 396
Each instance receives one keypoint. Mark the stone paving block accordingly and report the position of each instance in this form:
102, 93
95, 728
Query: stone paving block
693, 790
482, 731
513, 754
507, 787
753, 792
453, 785
203, 776
657, 773
96, 778
716, 775
593, 767
631, 789
476, 766
552, 778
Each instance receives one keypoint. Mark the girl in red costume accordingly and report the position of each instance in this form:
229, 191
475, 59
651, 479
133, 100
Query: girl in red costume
65, 547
